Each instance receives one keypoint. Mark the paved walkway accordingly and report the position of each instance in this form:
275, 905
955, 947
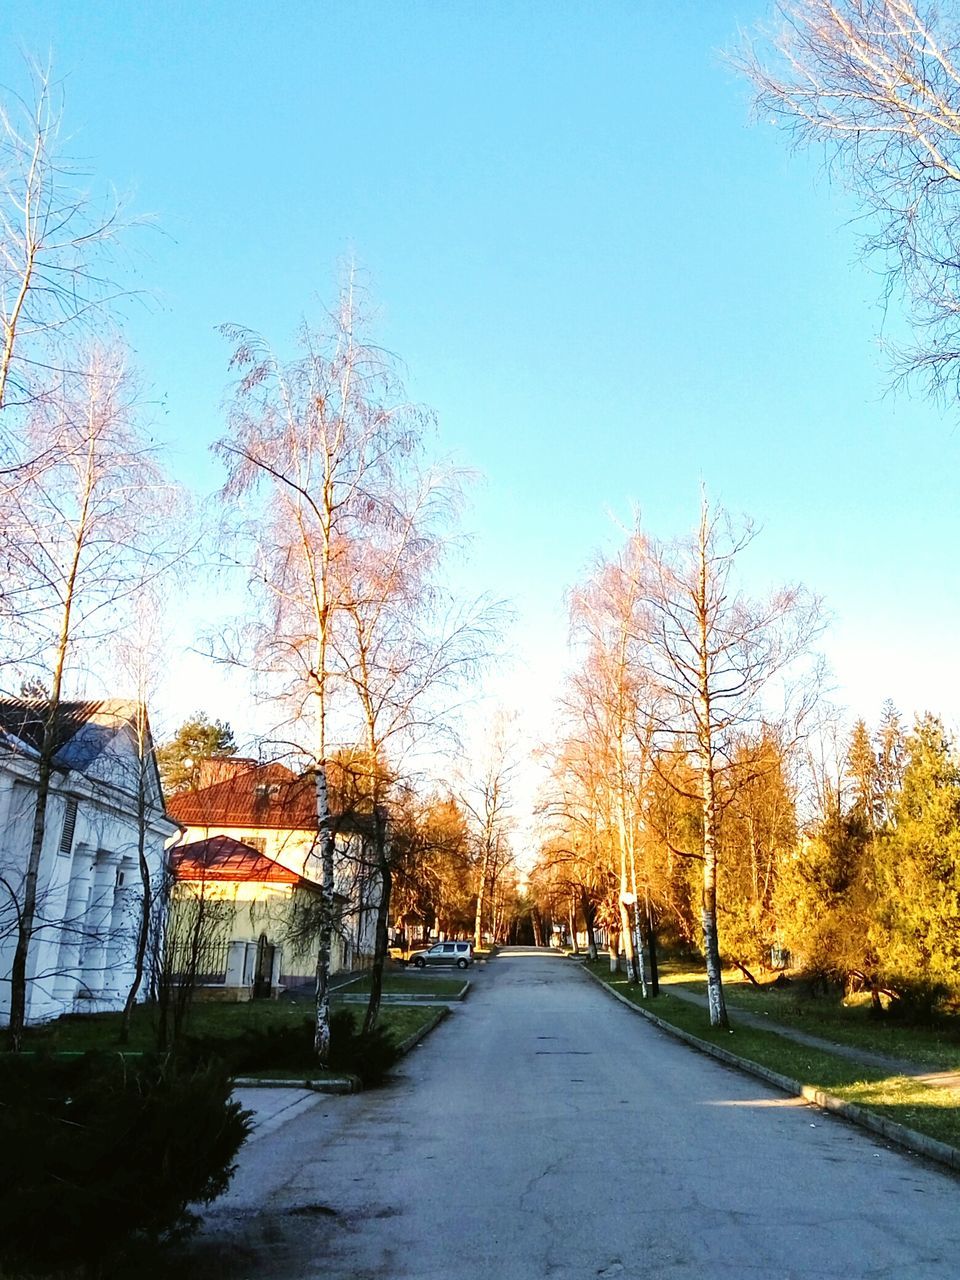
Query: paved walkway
273, 1107
544, 1132
866, 1057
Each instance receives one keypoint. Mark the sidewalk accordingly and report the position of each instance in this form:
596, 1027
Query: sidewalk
273, 1107
882, 1061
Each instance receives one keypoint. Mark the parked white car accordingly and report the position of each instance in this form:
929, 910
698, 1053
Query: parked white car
449, 953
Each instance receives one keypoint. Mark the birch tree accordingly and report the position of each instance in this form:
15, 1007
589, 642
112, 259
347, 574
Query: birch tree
722, 661
86, 529
403, 646
313, 446
54, 265
616, 701
877, 84
489, 807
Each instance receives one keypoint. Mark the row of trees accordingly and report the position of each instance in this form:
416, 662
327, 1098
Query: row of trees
681, 685
331, 507
702, 790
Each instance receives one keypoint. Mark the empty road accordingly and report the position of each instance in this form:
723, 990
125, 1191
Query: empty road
544, 1132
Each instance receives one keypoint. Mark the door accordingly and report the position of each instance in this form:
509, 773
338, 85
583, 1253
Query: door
263, 974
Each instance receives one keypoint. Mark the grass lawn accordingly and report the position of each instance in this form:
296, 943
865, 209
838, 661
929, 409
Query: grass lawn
933, 1111
848, 1022
80, 1032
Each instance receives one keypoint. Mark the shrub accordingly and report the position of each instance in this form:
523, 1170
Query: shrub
368, 1056
290, 1048
919, 1003
99, 1149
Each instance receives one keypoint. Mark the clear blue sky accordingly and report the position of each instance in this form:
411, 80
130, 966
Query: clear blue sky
607, 281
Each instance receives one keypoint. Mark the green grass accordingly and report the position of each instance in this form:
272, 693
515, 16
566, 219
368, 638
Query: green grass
933, 1111
847, 1022
79, 1032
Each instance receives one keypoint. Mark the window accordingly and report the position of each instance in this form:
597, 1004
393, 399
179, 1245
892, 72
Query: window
256, 842
69, 825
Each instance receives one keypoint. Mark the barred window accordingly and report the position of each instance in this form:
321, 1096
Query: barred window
69, 825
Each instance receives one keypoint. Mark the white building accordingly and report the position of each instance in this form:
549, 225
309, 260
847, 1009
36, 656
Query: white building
90, 890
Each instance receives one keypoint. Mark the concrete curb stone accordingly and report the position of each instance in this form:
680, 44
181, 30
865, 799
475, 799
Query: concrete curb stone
340, 1084
909, 1139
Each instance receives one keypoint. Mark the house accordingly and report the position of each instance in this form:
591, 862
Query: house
233, 913
270, 810
104, 794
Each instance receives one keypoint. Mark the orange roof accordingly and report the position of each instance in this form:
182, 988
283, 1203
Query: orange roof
267, 796
223, 858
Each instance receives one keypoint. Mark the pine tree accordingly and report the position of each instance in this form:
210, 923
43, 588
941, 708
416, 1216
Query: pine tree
197, 738
918, 865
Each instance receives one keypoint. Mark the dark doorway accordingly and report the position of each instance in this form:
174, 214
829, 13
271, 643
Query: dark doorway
263, 976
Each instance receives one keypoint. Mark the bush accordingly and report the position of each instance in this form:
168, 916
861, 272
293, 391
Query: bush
99, 1150
918, 1003
368, 1056
290, 1048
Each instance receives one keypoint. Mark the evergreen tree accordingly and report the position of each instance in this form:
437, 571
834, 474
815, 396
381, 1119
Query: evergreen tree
918, 865
890, 759
863, 773
197, 738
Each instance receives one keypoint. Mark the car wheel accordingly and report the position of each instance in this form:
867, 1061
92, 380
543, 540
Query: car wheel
419, 963
462, 964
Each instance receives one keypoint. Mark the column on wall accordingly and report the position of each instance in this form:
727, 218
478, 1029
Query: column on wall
121, 941
73, 922
99, 916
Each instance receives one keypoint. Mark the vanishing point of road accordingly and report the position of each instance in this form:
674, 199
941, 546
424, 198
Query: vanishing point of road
545, 1132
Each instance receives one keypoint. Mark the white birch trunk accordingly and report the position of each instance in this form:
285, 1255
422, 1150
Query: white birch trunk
321, 1035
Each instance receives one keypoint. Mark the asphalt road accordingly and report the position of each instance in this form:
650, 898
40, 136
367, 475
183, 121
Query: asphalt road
544, 1131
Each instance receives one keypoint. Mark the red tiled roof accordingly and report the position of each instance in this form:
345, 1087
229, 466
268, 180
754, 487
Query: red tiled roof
223, 858
269, 796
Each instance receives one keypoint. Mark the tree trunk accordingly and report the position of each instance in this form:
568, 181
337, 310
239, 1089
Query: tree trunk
711, 943
652, 950
589, 920
628, 940
614, 949
381, 943
146, 906
481, 890
572, 918
321, 1034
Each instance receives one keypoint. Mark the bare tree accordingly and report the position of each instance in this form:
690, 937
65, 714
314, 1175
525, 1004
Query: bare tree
323, 436
54, 279
85, 529
138, 652
614, 701
403, 647
489, 807
877, 83
721, 661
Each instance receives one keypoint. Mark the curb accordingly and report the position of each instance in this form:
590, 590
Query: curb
410, 997
340, 1084
414, 1039
917, 1143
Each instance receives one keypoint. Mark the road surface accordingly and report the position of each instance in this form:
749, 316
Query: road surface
544, 1132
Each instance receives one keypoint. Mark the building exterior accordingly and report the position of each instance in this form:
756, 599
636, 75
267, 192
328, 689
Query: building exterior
233, 921
104, 795
271, 811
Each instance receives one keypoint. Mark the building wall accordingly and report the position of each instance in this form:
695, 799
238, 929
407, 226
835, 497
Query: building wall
82, 954
231, 918
298, 850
